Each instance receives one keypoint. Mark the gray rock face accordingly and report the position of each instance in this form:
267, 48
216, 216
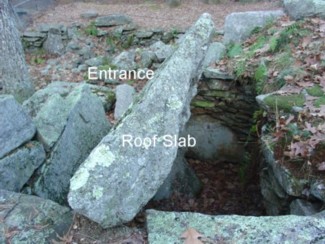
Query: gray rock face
167, 227
213, 140
238, 26
304, 208
181, 179
53, 43
29, 219
112, 20
161, 50
212, 73
16, 126
17, 168
147, 58
298, 9
97, 61
70, 123
125, 60
117, 180
291, 185
274, 197
124, 97
215, 52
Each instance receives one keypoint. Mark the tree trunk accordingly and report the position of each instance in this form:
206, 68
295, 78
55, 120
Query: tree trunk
14, 76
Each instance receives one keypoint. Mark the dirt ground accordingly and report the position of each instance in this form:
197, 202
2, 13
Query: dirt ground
151, 14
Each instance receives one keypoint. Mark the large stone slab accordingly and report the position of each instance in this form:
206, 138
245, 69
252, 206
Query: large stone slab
298, 9
16, 127
29, 219
215, 52
18, 167
181, 179
70, 123
112, 20
117, 180
168, 227
238, 26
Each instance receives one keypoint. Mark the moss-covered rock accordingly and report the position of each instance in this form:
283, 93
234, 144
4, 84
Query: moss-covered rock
202, 104
168, 227
284, 102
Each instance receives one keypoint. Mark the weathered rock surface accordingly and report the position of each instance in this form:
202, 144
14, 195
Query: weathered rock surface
29, 219
124, 97
53, 43
298, 9
116, 181
279, 185
125, 60
161, 50
215, 52
70, 123
304, 208
213, 140
16, 126
18, 167
238, 26
112, 20
181, 179
167, 227
213, 73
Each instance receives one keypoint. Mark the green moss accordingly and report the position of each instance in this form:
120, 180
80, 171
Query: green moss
202, 104
284, 102
129, 41
315, 91
38, 60
223, 94
234, 50
240, 68
91, 29
273, 44
283, 60
110, 97
260, 77
320, 101
107, 67
290, 34
258, 44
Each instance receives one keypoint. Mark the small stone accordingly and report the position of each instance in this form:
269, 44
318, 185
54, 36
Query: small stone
143, 34
217, 74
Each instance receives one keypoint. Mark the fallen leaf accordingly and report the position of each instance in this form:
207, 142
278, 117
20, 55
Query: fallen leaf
310, 128
321, 166
191, 236
291, 117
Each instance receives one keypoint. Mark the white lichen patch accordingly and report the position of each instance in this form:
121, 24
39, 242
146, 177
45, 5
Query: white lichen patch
174, 103
79, 179
100, 156
98, 192
155, 119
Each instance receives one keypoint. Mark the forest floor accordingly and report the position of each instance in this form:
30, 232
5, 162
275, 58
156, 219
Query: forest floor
151, 14
225, 191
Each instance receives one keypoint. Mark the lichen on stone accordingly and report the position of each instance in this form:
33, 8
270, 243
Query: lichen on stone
79, 179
